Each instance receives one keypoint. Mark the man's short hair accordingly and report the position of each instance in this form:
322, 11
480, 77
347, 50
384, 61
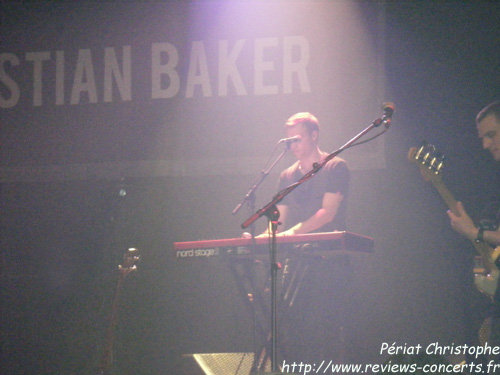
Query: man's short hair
305, 118
492, 108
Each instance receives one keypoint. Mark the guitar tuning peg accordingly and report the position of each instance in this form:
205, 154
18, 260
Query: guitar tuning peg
440, 165
419, 152
426, 157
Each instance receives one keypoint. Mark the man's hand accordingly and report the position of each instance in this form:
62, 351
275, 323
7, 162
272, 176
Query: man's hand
462, 222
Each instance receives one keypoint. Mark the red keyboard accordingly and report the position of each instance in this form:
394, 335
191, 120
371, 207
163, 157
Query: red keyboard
329, 241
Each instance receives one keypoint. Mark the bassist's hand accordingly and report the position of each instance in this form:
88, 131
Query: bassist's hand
462, 223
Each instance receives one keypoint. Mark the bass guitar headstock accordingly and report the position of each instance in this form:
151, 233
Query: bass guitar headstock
429, 160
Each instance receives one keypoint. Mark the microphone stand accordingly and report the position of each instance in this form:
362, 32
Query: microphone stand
272, 213
249, 198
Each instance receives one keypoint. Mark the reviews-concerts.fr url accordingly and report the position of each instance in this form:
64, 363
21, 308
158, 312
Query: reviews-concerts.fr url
328, 367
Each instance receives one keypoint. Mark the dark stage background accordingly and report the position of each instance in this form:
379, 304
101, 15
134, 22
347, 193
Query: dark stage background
138, 124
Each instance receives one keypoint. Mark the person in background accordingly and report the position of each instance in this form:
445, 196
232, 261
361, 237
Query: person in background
319, 204
488, 128
316, 323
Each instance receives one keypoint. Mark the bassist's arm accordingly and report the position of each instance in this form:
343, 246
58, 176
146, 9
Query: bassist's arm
464, 225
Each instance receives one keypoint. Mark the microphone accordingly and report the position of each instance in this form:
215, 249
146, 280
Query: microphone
288, 141
388, 108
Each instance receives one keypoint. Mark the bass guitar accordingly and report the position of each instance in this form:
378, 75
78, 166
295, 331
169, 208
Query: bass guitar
430, 162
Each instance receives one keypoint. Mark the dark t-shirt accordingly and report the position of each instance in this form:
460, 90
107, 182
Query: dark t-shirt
305, 200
